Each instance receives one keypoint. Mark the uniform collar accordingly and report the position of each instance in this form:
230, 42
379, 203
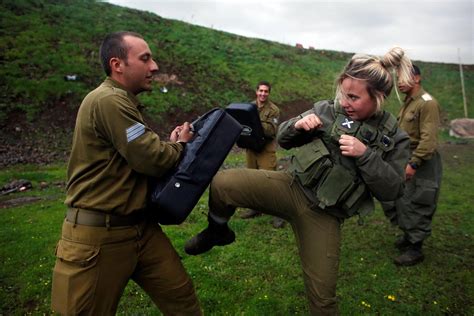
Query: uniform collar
264, 104
114, 84
415, 96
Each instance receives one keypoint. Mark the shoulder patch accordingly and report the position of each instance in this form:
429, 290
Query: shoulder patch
426, 97
119, 91
135, 131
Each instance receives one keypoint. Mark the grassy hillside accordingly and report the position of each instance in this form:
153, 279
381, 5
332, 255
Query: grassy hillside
43, 41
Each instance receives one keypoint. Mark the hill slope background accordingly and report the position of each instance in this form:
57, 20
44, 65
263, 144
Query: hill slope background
201, 68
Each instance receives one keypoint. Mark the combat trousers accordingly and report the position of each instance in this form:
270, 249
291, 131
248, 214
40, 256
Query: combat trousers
317, 234
94, 264
414, 211
266, 159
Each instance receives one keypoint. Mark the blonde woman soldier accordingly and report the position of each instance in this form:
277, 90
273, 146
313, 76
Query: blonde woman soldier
349, 151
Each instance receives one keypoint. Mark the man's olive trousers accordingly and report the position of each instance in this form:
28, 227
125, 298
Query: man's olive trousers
94, 264
266, 159
414, 211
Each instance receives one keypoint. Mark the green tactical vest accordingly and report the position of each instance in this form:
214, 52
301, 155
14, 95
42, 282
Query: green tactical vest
333, 179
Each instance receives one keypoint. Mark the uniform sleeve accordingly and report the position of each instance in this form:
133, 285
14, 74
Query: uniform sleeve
289, 137
429, 122
269, 121
118, 121
385, 176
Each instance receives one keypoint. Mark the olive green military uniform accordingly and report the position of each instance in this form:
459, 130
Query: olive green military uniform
266, 158
293, 194
420, 118
106, 237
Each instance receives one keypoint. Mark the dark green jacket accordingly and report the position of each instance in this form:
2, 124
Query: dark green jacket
382, 170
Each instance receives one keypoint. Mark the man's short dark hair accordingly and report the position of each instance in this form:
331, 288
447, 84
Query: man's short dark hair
114, 46
415, 70
264, 83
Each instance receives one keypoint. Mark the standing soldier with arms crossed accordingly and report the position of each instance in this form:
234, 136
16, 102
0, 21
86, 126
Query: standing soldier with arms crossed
413, 212
266, 158
108, 236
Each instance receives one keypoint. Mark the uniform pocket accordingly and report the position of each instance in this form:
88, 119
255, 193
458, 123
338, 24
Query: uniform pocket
337, 185
311, 163
76, 253
411, 116
425, 192
75, 277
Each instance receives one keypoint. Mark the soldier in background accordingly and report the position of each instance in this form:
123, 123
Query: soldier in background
108, 236
413, 212
266, 158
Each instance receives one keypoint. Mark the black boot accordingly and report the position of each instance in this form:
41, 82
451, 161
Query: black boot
402, 243
413, 255
214, 235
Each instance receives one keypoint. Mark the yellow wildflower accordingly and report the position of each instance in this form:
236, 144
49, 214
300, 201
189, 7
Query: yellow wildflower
391, 298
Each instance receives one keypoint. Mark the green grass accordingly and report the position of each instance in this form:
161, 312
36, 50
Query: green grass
260, 273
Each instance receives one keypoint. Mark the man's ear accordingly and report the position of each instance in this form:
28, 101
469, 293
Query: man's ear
417, 79
116, 65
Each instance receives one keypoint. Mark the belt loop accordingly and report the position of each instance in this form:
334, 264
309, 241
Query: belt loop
75, 217
107, 221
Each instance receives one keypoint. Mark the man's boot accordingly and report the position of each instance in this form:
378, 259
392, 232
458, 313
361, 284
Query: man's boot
413, 255
214, 235
402, 243
250, 214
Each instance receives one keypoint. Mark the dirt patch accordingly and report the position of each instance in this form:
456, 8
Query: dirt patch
293, 108
44, 140
48, 139
457, 154
170, 120
19, 201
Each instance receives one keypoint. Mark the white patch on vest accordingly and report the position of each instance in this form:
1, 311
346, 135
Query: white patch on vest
347, 123
135, 131
426, 97
275, 121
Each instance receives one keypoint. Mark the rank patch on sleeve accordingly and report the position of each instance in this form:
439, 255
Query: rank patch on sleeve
135, 131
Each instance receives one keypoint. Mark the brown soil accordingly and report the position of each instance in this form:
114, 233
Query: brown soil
48, 138
19, 201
